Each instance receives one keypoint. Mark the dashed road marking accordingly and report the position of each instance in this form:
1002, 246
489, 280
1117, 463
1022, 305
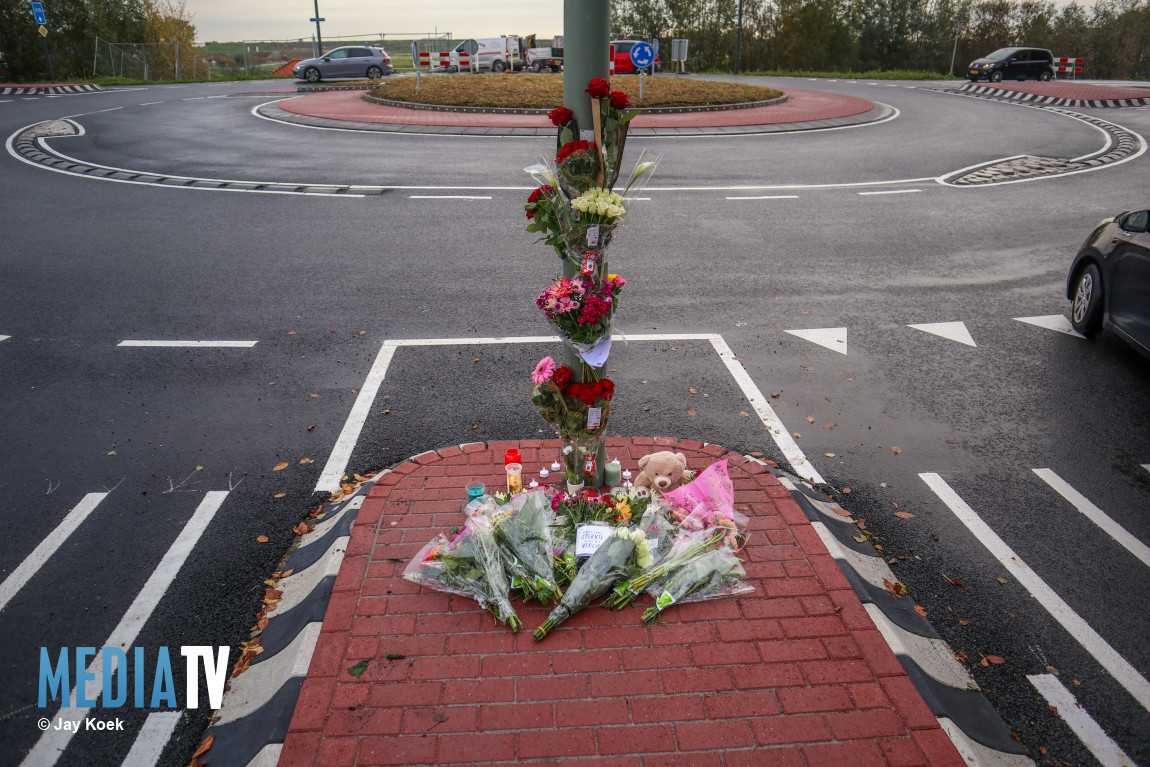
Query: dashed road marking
1118, 667
1096, 515
192, 344
767, 197
152, 738
53, 742
889, 191
953, 331
448, 197
1108, 753
34, 561
1052, 322
834, 339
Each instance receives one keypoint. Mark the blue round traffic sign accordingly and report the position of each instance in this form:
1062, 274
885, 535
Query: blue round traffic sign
642, 55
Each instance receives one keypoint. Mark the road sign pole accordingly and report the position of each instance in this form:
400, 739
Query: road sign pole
47, 56
318, 36
957, 32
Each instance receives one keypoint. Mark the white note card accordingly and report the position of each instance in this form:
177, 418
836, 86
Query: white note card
589, 538
587, 135
594, 417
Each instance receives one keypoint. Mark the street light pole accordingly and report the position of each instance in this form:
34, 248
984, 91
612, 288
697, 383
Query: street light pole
957, 31
318, 36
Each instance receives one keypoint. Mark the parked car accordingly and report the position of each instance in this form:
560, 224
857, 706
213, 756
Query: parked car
623, 65
1013, 64
1109, 280
350, 61
498, 54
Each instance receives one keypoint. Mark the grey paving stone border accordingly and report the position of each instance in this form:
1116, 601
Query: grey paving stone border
526, 111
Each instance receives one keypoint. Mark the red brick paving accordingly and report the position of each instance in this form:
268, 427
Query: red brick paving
792, 674
801, 106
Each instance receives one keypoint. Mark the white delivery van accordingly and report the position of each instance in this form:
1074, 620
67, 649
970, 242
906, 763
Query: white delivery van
498, 54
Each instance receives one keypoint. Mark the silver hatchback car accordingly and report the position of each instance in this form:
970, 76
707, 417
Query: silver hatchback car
350, 61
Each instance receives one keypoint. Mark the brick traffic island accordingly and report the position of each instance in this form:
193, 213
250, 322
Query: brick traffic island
793, 673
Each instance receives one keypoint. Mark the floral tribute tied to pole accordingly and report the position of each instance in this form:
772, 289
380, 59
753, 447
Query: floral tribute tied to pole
570, 549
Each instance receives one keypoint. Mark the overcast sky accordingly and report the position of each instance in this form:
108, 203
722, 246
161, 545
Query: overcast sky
228, 20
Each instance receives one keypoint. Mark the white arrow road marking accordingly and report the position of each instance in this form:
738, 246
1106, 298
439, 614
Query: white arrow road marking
1052, 322
4, 338
1108, 753
52, 743
834, 339
954, 331
1118, 667
34, 561
1096, 515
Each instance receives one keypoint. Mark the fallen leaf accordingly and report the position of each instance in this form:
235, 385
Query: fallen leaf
305, 461
860, 539
810, 419
850, 380
358, 669
756, 455
904, 515
280, 466
847, 490
262, 624
111, 452
693, 391
895, 588
896, 450
829, 455
964, 623
646, 409
286, 573
1001, 581
261, 539
744, 414
292, 332
1076, 682
203, 749
1052, 670
475, 360
796, 435
474, 426
841, 512
1054, 710
271, 383
892, 503
828, 426
439, 716
772, 464
691, 411
313, 395
776, 395
674, 348
1042, 750
804, 312
920, 610
311, 427
984, 662
280, 495
960, 656
995, 659
363, 332
955, 581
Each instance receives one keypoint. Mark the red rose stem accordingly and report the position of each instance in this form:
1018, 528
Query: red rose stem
597, 120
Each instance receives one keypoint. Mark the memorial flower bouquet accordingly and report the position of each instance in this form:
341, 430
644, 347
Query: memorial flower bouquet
468, 564
685, 547
581, 308
714, 573
523, 536
577, 411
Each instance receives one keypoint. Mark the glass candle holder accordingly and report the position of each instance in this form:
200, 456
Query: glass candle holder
514, 477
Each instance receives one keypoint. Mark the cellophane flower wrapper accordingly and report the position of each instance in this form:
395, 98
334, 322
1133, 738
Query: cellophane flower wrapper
684, 547
523, 536
713, 574
708, 501
468, 565
581, 309
612, 562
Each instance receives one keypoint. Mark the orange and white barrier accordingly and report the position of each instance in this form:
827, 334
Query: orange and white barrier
1068, 64
611, 66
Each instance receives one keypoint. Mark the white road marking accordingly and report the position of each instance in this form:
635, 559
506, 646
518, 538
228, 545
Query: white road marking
1146, 466
336, 464
834, 339
196, 344
1105, 750
890, 191
767, 197
767, 415
1096, 515
1117, 666
953, 331
448, 197
34, 561
4, 338
152, 738
194, 98
149, 103
53, 742
1052, 322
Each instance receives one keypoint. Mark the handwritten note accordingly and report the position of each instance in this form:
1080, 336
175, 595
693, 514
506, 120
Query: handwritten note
589, 538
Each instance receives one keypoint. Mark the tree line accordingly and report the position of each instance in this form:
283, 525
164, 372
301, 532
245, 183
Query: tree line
881, 35
154, 26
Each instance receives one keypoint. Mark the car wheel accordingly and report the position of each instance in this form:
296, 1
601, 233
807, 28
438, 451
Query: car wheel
498, 66
311, 74
1044, 77
536, 67
374, 73
996, 76
1086, 312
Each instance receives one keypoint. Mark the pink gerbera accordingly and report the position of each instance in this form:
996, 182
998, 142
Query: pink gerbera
543, 371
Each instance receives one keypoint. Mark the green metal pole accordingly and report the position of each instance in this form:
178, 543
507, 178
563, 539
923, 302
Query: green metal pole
586, 53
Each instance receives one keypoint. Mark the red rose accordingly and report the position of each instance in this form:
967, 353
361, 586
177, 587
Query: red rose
619, 99
599, 88
562, 376
571, 391
530, 214
561, 116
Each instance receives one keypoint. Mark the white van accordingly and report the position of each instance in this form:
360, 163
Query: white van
498, 54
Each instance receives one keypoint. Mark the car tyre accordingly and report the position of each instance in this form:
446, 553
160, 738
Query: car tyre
996, 77
536, 67
311, 74
1044, 77
498, 66
374, 73
1086, 312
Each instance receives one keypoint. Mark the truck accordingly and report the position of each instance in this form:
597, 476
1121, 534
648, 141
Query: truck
498, 54
539, 59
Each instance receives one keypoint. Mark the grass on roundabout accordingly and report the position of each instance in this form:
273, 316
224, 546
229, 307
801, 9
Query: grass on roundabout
531, 91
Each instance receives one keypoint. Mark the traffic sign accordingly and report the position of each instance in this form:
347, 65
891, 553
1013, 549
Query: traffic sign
316, 20
43, 31
38, 12
642, 55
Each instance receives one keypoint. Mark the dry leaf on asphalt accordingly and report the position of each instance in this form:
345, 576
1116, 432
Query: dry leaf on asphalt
920, 610
280, 495
744, 414
828, 426
693, 391
904, 515
960, 656
896, 450
776, 395
896, 589
796, 435
691, 411
847, 490
995, 659
841, 512
964, 623
311, 427
829, 455
280, 466
810, 419
261, 539
955, 581
203, 749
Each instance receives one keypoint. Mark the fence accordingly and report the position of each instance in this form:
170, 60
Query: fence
1068, 64
148, 61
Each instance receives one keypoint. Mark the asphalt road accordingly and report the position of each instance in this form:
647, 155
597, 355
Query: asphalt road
319, 282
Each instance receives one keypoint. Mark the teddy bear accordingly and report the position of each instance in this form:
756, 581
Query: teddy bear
662, 471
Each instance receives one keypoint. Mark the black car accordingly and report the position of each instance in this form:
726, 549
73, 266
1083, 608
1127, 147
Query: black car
1013, 64
1109, 281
